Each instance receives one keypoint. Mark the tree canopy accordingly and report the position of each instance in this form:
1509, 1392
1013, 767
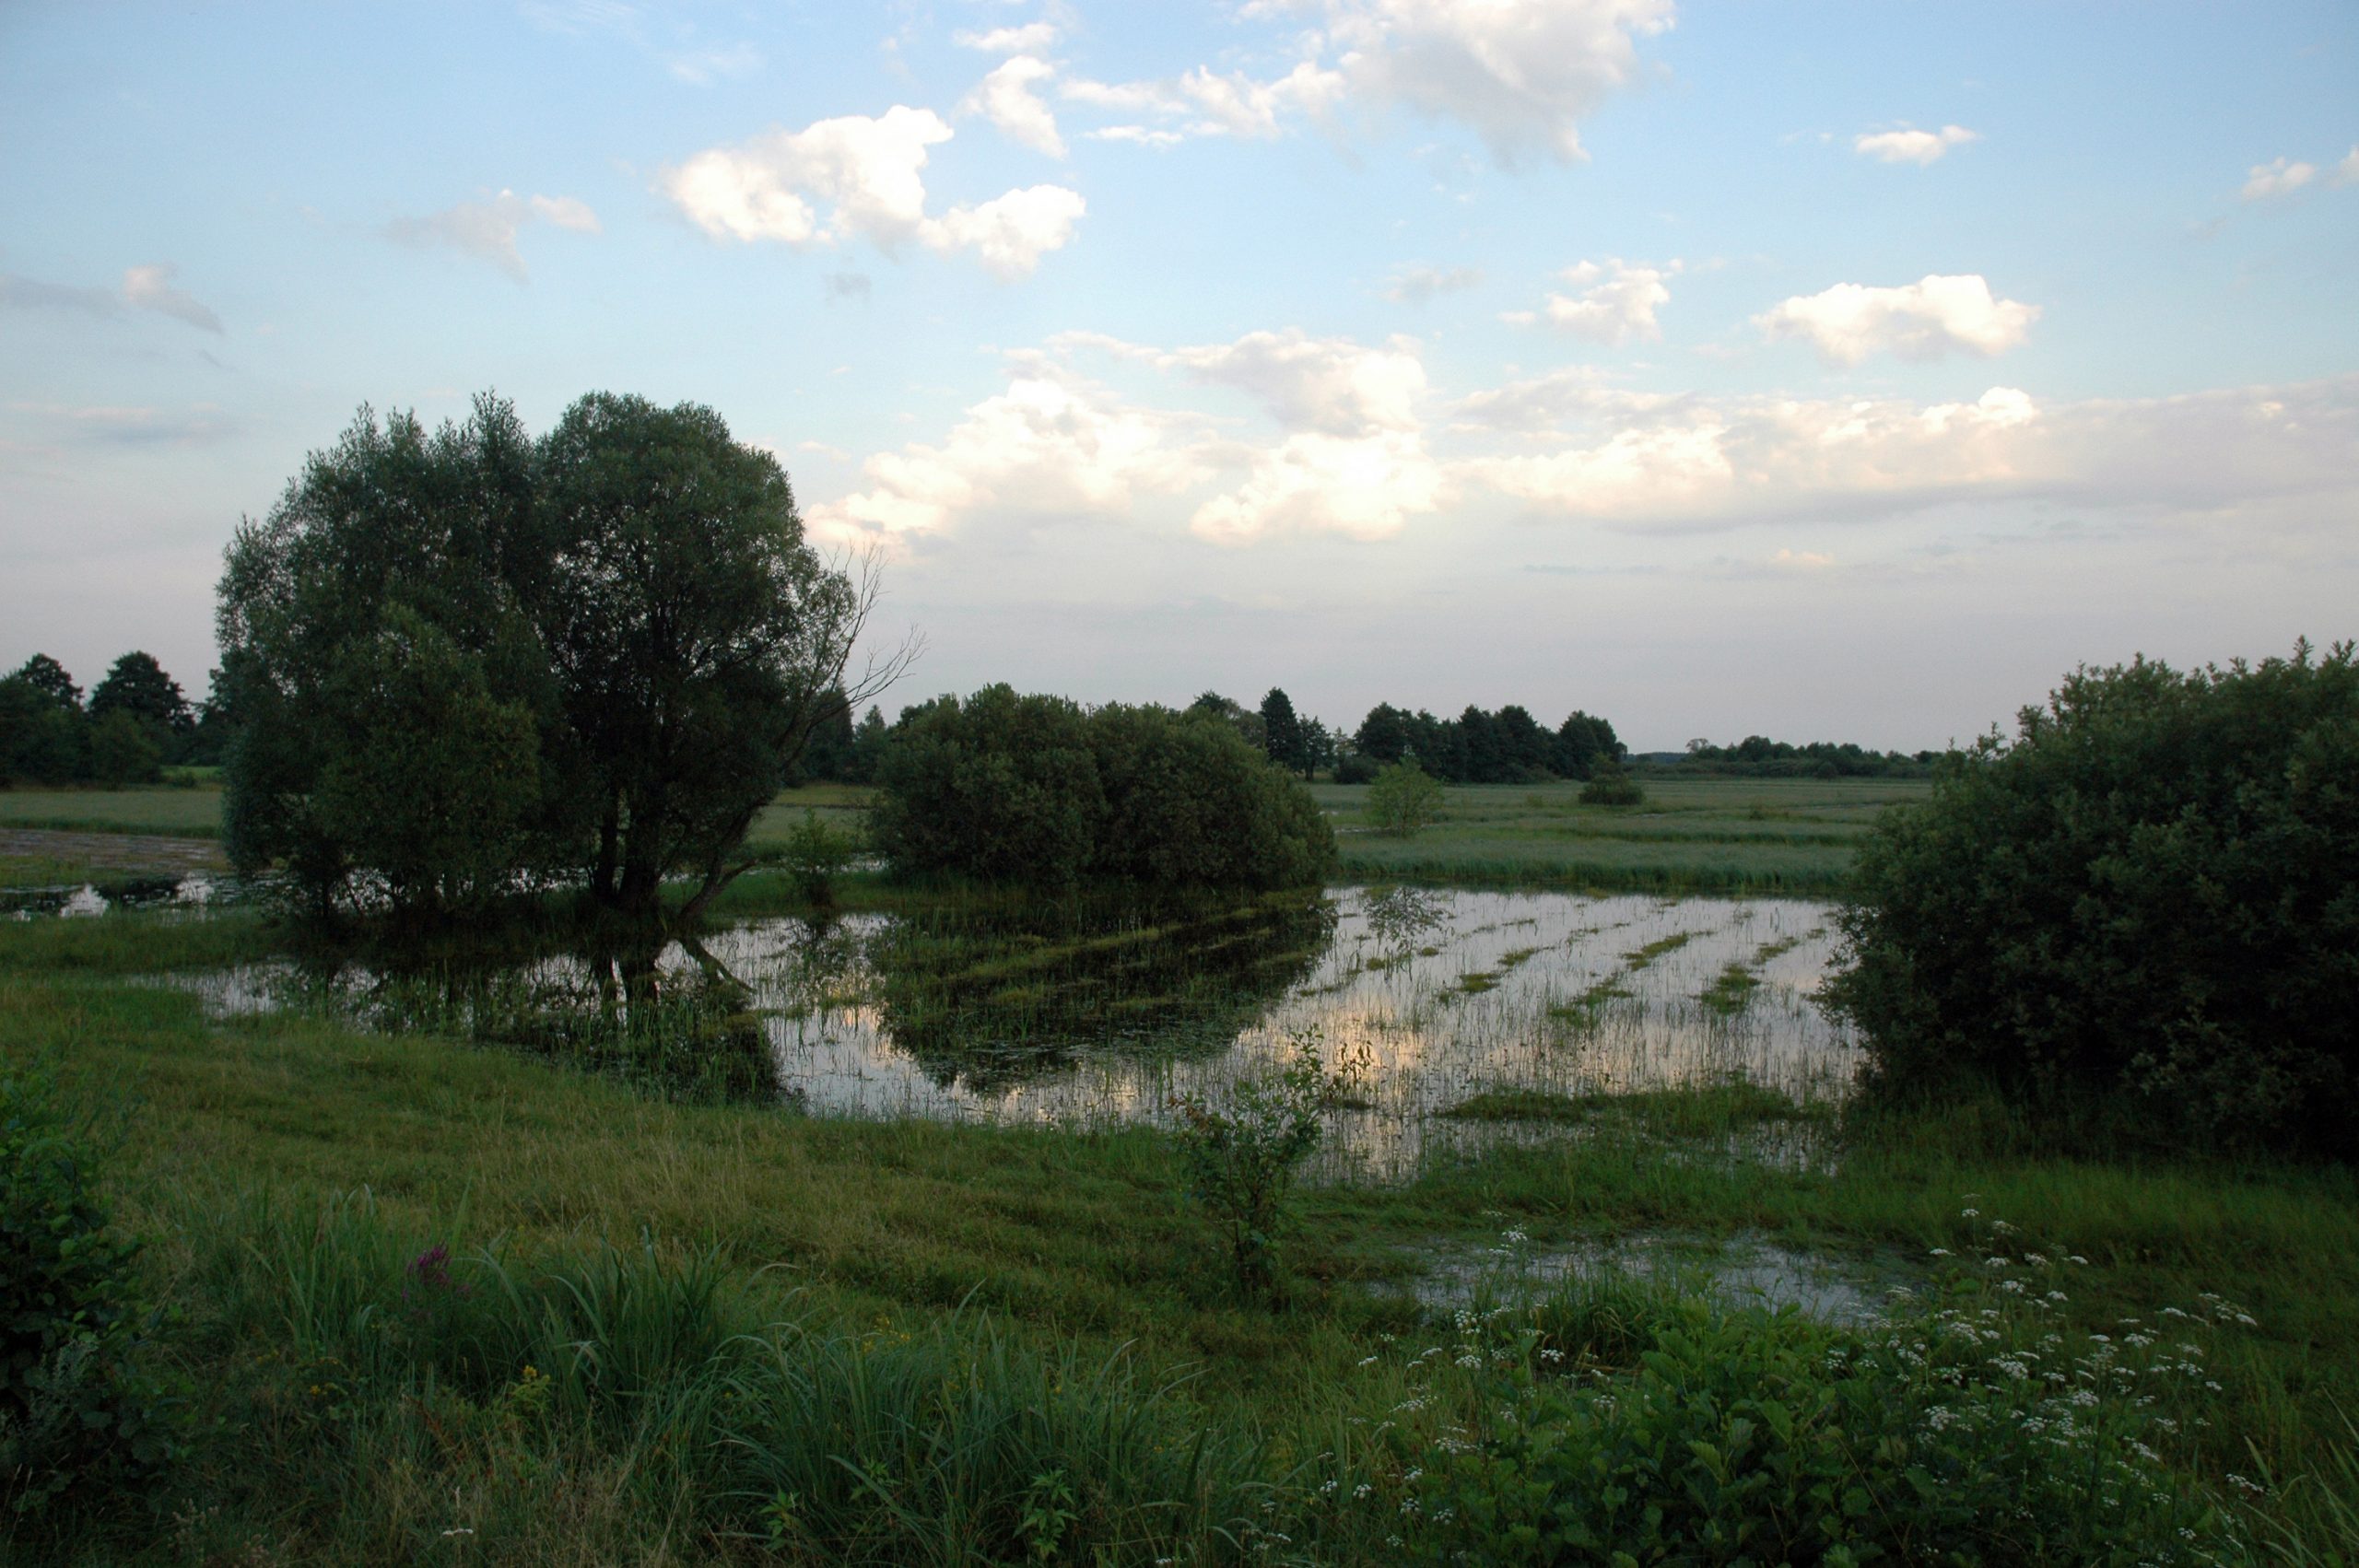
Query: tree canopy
468, 658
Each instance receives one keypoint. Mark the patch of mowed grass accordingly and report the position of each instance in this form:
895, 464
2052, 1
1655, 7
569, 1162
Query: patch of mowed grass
162, 809
249, 1139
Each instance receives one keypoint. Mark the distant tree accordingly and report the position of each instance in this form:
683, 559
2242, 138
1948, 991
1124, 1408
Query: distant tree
1282, 737
123, 750
48, 677
1384, 735
138, 685
40, 741
1609, 786
868, 742
1403, 800
1482, 756
1528, 751
1583, 743
828, 754
1322, 747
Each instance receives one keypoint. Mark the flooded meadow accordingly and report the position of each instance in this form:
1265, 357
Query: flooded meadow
1456, 1016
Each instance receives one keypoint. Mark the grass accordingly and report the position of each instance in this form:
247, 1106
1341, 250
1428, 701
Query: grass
907, 1291
162, 809
1793, 837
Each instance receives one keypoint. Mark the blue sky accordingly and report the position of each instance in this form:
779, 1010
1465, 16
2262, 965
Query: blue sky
1824, 371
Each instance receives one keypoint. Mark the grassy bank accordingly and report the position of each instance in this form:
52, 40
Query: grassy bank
1792, 836
1011, 1332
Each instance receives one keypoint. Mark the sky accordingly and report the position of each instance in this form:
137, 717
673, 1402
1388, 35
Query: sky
1817, 370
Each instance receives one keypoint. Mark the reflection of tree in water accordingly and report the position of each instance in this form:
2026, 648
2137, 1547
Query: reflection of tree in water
687, 1029
987, 996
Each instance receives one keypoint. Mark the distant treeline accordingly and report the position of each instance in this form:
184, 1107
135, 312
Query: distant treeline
1757, 756
136, 722
1476, 747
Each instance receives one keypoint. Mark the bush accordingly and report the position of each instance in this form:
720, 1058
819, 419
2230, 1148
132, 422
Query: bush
1356, 769
76, 1407
1609, 786
1035, 789
815, 855
1404, 799
1243, 1150
2148, 900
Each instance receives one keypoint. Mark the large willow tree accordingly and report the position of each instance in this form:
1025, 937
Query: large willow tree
470, 660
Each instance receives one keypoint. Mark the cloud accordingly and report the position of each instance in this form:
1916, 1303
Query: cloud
146, 287
2278, 179
867, 170
1522, 73
1052, 445
134, 425
1029, 39
1907, 146
1005, 98
700, 67
487, 230
1702, 462
846, 286
1918, 320
1349, 457
2347, 172
1009, 234
1616, 302
1362, 486
1414, 286
1208, 103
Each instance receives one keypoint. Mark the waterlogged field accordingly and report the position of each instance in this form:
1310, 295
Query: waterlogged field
1453, 1015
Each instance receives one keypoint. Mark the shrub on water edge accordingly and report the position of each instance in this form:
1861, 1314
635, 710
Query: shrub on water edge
1243, 1149
815, 855
2149, 899
78, 1408
1005, 787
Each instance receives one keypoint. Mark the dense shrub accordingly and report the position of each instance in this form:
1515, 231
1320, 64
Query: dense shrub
2150, 898
1035, 789
1404, 799
1609, 786
76, 1407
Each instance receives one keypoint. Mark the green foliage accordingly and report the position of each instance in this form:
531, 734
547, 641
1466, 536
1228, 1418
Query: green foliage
77, 1408
1609, 786
1034, 788
815, 855
1284, 738
123, 750
2149, 899
621, 641
1242, 1150
1404, 799
1751, 1437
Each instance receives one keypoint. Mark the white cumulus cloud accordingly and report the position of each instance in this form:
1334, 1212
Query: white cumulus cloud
2347, 172
1029, 38
1414, 286
2281, 178
1610, 304
1918, 320
1051, 445
1006, 98
1203, 102
868, 172
487, 230
1522, 73
1908, 146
